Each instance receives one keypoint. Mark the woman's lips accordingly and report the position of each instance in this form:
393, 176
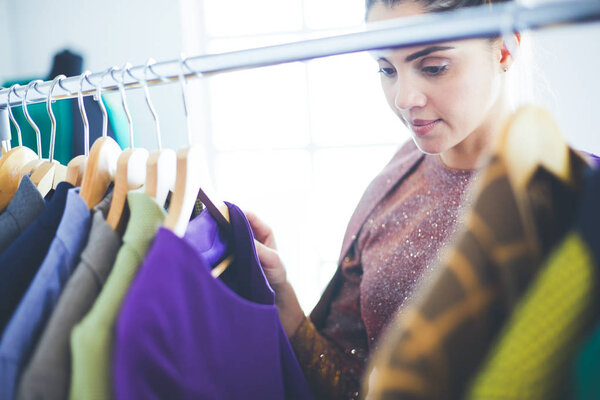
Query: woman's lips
423, 126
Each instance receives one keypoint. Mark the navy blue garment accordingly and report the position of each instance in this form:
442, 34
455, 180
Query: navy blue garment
21, 260
29, 319
588, 221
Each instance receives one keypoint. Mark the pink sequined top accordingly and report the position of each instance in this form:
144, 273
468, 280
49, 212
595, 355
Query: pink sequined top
397, 239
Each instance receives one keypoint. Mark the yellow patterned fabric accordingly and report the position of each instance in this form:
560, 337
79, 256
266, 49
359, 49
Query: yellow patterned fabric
531, 358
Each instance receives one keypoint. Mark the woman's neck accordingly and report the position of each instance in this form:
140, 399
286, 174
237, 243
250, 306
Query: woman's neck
472, 153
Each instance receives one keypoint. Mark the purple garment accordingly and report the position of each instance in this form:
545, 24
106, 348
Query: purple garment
182, 334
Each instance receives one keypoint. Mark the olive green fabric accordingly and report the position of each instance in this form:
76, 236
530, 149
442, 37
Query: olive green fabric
92, 340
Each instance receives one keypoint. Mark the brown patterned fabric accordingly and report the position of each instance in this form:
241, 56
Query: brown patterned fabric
405, 217
437, 343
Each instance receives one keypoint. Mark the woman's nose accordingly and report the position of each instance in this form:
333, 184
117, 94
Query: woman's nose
408, 96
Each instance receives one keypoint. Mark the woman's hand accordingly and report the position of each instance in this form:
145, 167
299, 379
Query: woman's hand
267, 251
290, 312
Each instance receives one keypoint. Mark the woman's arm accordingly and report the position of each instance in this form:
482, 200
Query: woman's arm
330, 372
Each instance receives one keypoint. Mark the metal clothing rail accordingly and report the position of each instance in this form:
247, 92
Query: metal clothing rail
458, 24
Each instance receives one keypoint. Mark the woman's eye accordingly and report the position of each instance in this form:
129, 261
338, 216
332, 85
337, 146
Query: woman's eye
386, 71
435, 70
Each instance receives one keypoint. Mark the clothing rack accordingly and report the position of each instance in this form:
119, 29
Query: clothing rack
481, 21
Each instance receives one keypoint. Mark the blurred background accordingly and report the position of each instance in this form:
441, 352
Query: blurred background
296, 143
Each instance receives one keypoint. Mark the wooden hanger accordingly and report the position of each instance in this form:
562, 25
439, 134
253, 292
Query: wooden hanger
102, 162
531, 139
50, 173
12, 162
161, 165
188, 182
76, 167
131, 168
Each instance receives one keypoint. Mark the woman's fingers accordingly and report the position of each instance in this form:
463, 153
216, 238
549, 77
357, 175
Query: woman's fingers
262, 231
271, 264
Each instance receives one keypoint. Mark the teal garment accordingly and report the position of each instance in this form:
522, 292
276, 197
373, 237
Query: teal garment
64, 113
63, 148
587, 369
118, 120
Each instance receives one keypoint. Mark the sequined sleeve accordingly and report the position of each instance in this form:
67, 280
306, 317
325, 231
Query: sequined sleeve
330, 373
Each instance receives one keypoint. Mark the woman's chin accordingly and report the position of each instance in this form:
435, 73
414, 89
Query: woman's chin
429, 146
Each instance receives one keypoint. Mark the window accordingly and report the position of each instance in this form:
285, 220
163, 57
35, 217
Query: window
296, 143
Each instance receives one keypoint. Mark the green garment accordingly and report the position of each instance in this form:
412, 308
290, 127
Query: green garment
63, 112
92, 340
532, 356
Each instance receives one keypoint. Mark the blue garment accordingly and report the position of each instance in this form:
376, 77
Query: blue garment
34, 310
25, 206
183, 334
21, 260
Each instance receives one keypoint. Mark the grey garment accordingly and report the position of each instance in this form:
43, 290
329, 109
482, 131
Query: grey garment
48, 374
26, 205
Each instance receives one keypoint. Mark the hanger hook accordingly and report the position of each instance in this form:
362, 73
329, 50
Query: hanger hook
51, 115
84, 118
100, 101
10, 113
38, 134
144, 82
121, 85
183, 83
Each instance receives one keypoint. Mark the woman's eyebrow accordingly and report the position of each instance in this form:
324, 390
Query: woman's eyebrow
426, 51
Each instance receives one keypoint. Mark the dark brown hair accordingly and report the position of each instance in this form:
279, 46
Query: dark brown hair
435, 5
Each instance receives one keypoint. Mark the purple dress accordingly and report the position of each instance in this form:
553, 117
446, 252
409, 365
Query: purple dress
182, 334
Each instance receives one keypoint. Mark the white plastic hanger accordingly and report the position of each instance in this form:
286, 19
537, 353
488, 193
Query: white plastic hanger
102, 163
12, 162
131, 166
161, 165
191, 179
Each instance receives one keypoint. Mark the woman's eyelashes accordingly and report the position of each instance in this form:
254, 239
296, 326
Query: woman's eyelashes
387, 71
435, 70
428, 70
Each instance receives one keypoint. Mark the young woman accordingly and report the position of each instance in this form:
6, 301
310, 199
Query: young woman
452, 97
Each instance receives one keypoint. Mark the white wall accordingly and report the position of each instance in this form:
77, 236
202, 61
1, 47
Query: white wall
106, 33
569, 58
6, 46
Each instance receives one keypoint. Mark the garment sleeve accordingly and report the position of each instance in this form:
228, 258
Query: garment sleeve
330, 373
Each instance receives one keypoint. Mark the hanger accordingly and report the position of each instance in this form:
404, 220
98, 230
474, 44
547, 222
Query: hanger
102, 162
32, 165
161, 165
12, 162
131, 166
76, 167
44, 176
531, 139
189, 183
60, 172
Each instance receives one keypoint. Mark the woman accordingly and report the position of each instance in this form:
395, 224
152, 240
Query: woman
452, 96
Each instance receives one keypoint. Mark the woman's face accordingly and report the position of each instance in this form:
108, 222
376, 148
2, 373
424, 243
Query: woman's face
443, 92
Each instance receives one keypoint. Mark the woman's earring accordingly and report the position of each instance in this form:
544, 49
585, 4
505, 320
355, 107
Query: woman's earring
505, 69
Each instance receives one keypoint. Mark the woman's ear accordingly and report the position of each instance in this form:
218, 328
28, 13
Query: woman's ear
507, 58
